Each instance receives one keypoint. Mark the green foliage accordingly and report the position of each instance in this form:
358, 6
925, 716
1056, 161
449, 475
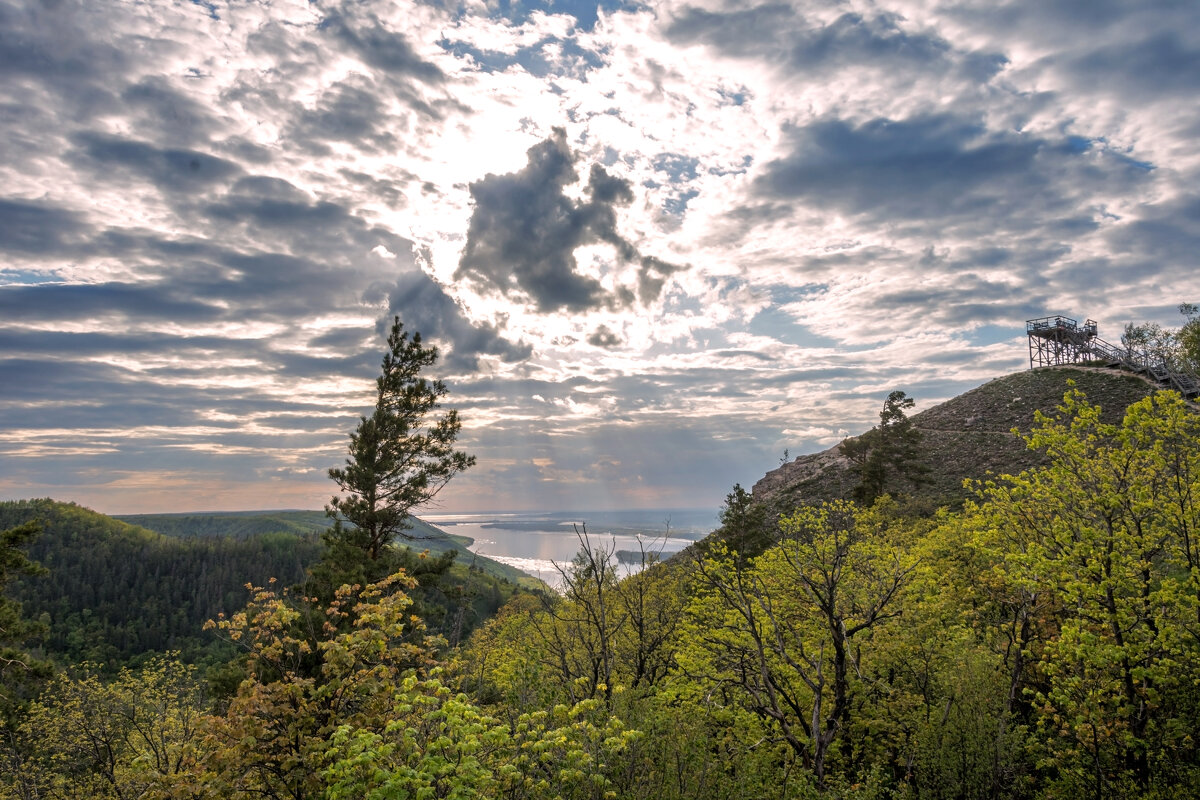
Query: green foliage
113, 593
133, 736
600, 637
790, 634
301, 686
17, 666
1044, 641
1188, 338
1097, 559
400, 457
744, 525
889, 456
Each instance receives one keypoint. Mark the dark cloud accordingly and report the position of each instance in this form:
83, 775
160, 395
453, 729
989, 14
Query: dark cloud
381, 48
37, 229
424, 306
351, 112
45, 343
776, 33
204, 385
387, 190
603, 337
169, 113
342, 339
942, 167
96, 301
741, 32
267, 211
171, 170
1162, 65
524, 232
738, 354
48, 44
1169, 231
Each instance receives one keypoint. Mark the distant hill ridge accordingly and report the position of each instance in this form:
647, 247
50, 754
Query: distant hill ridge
968, 436
115, 591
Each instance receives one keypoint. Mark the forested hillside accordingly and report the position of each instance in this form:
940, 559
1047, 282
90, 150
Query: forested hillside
419, 536
236, 525
113, 591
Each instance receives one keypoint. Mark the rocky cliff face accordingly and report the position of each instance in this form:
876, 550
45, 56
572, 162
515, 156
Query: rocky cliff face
967, 437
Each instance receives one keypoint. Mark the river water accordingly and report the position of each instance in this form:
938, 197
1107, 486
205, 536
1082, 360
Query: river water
534, 542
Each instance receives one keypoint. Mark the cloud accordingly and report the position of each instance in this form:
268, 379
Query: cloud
203, 245
942, 168
95, 301
168, 112
382, 48
423, 305
273, 203
350, 111
36, 228
603, 337
525, 231
171, 169
779, 33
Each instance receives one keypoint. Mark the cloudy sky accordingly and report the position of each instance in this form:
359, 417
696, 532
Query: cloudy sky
657, 244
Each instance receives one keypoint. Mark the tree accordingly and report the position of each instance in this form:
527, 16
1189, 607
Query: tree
1189, 338
131, 737
400, 456
15, 663
1178, 349
791, 632
271, 739
744, 524
890, 450
1150, 340
1101, 547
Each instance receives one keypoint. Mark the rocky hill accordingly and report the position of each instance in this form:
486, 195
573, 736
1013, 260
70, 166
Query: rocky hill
969, 436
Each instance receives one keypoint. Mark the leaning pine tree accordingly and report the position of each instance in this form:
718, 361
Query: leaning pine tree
400, 457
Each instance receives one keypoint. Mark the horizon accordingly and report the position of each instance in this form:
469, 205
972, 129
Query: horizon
424, 516
658, 244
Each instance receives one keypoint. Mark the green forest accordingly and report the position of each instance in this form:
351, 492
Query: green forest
1039, 639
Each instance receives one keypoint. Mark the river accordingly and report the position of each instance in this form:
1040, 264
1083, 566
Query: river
534, 541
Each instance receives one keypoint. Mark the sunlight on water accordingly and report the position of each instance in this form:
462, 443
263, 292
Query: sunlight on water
534, 542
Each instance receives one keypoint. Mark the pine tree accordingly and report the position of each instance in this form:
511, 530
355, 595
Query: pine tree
399, 458
888, 452
16, 665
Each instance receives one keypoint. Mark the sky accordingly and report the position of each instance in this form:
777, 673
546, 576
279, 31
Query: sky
658, 245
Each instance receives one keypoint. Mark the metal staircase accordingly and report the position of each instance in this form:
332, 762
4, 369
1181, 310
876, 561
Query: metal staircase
1055, 341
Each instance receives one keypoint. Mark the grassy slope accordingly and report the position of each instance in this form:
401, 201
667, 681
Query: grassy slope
968, 436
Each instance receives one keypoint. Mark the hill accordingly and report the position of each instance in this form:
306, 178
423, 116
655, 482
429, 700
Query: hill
969, 436
234, 524
116, 592
310, 524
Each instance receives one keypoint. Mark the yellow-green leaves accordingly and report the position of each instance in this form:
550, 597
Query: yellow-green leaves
1094, 568
133, 737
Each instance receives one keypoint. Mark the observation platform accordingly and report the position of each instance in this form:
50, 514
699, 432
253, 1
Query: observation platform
1058, 341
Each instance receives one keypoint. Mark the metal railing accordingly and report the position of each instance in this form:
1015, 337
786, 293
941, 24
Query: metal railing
1062, 340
